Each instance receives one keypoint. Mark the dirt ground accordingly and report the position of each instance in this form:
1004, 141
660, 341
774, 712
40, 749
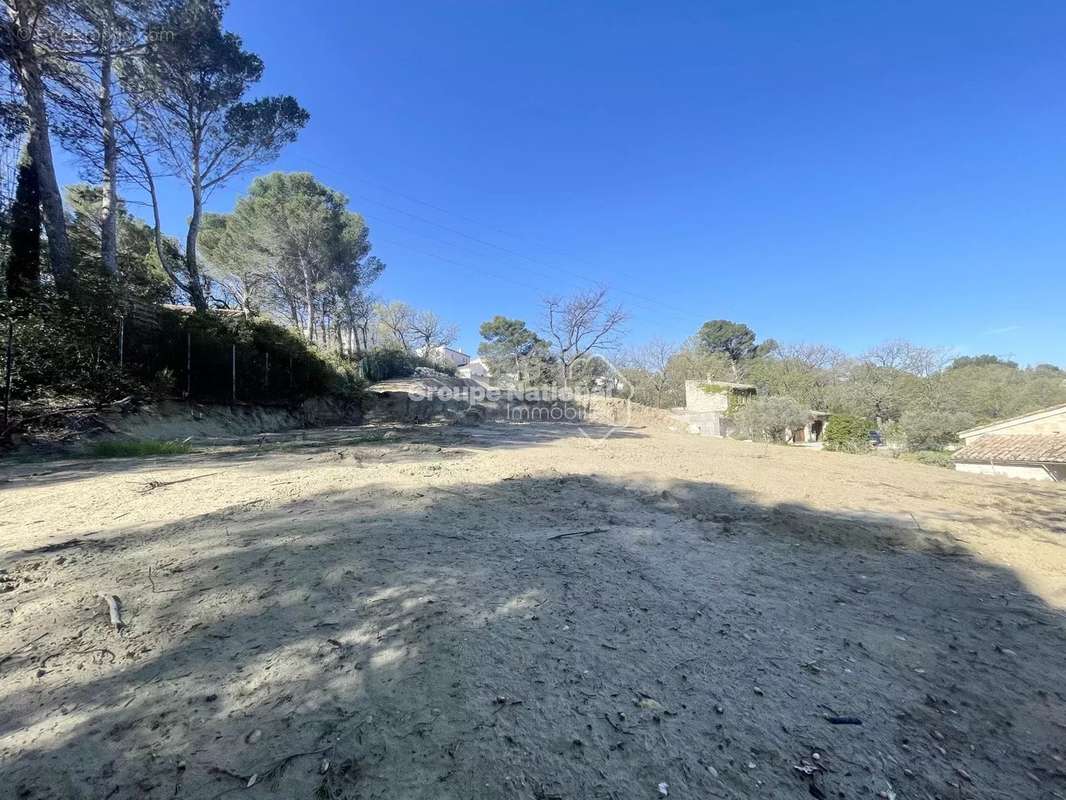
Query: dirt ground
515, 611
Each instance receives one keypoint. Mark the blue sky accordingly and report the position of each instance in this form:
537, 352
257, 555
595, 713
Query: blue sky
825, 172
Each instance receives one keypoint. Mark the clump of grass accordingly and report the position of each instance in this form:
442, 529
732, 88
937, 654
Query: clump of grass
138, 448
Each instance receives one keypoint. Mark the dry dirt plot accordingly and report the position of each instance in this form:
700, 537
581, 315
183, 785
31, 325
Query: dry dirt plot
404, 613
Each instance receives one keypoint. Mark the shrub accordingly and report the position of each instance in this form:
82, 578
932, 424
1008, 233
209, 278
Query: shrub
931, 430
846, 433
162, 384
770, 418
348, 382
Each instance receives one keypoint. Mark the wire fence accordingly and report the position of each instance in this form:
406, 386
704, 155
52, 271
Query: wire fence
206, 366
176, 355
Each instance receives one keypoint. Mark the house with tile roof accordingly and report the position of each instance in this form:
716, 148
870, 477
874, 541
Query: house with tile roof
1029, 446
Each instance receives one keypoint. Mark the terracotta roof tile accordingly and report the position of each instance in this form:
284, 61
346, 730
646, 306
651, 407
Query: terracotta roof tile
1045, 448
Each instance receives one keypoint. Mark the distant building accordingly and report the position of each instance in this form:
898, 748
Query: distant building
811, 433
473, 369
1031, 446
447, 356
708, 405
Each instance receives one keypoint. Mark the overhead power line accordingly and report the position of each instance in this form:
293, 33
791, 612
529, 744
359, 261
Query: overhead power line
649, 302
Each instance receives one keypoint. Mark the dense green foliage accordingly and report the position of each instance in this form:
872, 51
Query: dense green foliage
137, 448
981, 361
292, 248
99, 349
734, 339
23, 270
847, 433
915, 395
512, 352
64, 350
931, 429
140, 276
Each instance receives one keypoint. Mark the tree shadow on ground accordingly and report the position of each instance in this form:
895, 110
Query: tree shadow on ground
541, 637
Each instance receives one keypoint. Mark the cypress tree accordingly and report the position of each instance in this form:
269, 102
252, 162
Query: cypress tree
24, 260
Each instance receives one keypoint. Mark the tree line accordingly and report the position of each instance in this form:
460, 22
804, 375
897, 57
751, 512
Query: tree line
912, 393
918, 395
139, 90
143, 91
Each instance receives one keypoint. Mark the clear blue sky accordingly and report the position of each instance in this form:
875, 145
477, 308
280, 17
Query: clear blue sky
836, 172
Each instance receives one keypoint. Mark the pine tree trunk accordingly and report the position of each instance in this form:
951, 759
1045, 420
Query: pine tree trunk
23, 17
109, 205
157, 224
309, 304
196, 286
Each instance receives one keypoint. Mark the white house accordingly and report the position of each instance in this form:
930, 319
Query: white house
447, 356
1030, 446
473, 369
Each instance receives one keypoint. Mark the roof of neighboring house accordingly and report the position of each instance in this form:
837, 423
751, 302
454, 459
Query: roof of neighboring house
184, 309
1045, 448
443, 351
726, 384
1005, 424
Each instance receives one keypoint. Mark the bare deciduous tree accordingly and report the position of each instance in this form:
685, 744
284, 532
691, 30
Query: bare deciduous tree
395, 322
429, 331
905, 356
581, 324
652, 363
812, 356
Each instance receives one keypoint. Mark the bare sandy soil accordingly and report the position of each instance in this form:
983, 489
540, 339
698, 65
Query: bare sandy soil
514, 611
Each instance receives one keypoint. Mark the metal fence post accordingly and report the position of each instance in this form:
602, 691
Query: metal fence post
188, 365
121, 342
7, 372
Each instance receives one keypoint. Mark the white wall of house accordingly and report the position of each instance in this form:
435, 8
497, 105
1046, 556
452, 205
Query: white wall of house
1031, 473
448, 356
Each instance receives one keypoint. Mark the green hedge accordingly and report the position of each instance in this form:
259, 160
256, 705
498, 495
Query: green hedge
98, 350
847, 434
63, 350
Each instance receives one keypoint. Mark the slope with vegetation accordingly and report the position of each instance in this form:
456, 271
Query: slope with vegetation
279, 287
